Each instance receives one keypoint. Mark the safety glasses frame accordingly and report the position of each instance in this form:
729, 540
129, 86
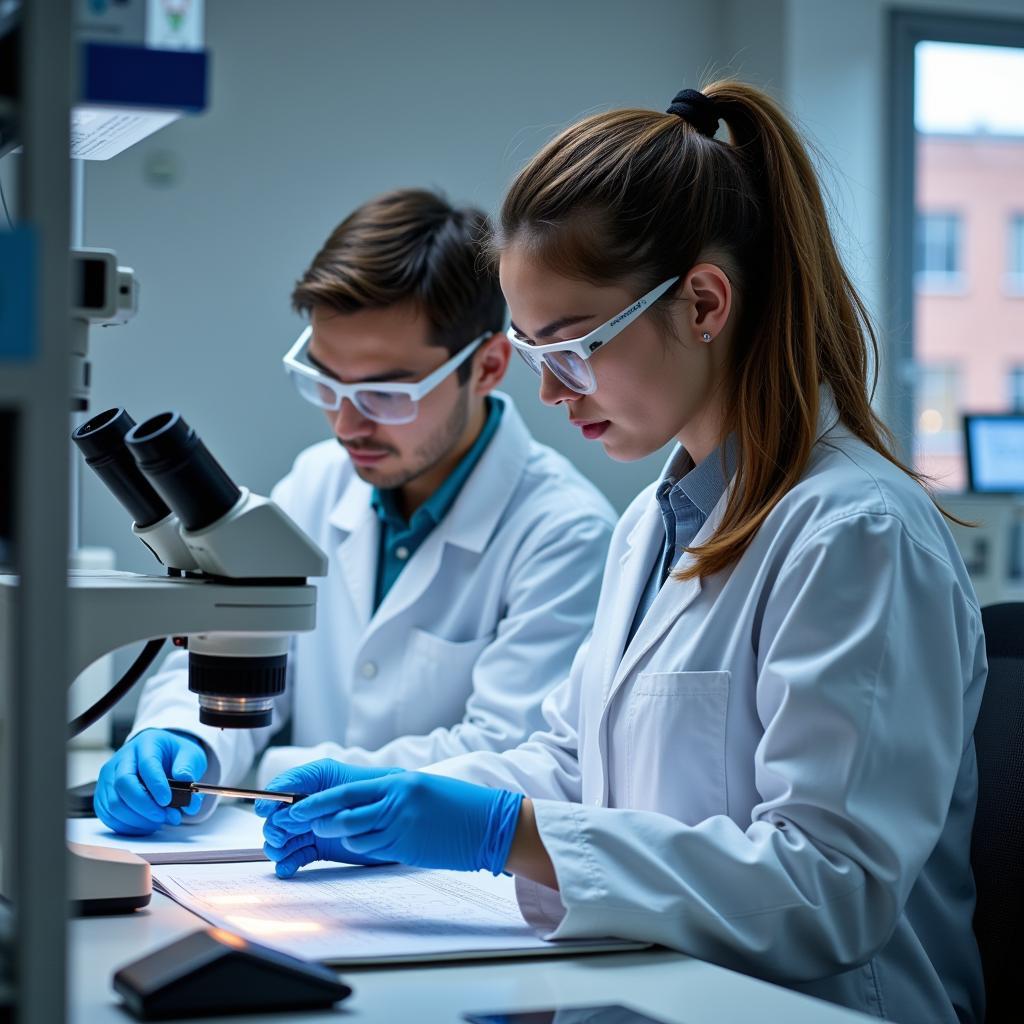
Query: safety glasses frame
586, 346
415, 391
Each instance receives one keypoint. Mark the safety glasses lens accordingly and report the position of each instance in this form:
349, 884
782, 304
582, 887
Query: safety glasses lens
386, 406
530, 359
572, 371
313, 391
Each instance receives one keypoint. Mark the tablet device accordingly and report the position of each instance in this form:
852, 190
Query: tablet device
565, 1015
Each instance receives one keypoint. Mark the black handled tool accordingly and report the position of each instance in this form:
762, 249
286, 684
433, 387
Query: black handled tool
182, 791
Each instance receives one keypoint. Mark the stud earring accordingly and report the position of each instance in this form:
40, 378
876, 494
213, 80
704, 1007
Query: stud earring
706, 336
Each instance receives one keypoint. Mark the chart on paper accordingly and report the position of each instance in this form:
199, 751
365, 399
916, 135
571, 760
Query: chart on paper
350, 915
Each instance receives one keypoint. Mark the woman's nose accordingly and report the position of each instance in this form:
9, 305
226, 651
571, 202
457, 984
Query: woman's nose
553, 391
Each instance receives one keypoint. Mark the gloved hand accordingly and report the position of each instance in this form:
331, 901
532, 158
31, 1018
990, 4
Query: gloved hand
418, 819
294, 848
132, 794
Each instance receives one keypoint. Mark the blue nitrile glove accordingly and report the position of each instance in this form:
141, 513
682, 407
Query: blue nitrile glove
294, 848
423, 820
132, 794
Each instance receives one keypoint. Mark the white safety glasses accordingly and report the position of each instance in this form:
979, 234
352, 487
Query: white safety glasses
383, 402
569, 360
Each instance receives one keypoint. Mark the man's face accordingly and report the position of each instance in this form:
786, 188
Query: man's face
389, 346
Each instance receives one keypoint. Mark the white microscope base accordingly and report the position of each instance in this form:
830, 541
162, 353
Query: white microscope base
110, 609
104, 880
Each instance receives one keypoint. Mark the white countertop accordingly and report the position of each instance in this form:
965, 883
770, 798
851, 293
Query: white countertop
664, 984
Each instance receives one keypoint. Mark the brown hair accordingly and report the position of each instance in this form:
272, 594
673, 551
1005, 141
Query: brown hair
641, 196
410, 245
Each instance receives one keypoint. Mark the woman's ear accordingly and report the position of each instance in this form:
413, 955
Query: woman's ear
490, 363
708, 292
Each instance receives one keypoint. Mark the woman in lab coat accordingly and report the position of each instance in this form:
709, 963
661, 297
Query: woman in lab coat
763, 756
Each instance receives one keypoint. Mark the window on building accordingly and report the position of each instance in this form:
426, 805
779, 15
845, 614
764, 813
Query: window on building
938, 441
1015, 263
938, 262
1015, 380
955, 325
938, 405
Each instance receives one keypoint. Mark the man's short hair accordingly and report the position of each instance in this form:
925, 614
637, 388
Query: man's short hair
410, 245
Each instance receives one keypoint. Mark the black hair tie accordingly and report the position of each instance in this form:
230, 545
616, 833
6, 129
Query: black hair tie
696, 109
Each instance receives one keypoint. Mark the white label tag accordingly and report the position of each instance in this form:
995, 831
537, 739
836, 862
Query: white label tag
98, 133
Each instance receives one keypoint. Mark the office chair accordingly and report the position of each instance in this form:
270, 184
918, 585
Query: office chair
997, 843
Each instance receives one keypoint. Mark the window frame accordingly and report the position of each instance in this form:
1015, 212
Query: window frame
1014, 278
941, 282
1014, 373
906, 30
947, 440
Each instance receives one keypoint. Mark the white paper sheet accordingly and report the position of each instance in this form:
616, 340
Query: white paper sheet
346, 915
231, 833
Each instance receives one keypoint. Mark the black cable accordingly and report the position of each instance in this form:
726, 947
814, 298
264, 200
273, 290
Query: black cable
3, 201
118, 690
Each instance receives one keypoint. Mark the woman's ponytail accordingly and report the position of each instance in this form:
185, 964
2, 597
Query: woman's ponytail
640, 196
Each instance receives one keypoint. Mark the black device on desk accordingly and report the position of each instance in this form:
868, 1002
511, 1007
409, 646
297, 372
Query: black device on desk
566, 1015
80, 800
212, 972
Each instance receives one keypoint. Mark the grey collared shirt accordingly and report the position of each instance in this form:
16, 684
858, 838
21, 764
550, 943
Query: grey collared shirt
686, 496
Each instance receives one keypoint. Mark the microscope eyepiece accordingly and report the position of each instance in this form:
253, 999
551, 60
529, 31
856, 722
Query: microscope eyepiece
182, 470
101, 442
210, 533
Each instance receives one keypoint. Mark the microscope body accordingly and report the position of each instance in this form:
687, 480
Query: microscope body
111, 609
236, 589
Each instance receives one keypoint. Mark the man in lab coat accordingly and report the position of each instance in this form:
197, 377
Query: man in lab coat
465, 559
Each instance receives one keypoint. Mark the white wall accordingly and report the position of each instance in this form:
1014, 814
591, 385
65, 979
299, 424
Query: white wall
314, 107
835, 66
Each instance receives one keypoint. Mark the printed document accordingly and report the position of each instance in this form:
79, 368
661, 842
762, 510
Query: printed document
231, 833
345, 915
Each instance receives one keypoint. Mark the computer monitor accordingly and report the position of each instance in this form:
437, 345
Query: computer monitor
995, 452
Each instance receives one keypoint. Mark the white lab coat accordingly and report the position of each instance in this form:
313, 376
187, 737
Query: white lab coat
481, 624
778, 772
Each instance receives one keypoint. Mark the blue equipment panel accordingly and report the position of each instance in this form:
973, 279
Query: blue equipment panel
17, 294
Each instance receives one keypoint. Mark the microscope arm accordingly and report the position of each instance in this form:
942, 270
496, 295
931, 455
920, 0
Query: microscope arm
111, 609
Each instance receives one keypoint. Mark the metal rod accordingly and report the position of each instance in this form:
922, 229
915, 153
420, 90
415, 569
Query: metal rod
241, 794
77, 418
77, 203
37, 724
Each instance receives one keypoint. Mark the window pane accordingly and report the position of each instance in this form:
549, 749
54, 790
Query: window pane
1016, 389
939, 446
938, 264
1015, 264
969, 245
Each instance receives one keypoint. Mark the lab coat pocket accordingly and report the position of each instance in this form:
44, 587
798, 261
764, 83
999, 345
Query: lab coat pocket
437, 680
675, 744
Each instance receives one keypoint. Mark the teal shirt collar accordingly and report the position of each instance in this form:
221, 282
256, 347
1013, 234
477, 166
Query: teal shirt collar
385, 503
400, 539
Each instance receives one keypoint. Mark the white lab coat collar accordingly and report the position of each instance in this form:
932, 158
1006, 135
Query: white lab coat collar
469, 523
644, 542
354, 517
828, 411
477, 509
476, 512
353, 507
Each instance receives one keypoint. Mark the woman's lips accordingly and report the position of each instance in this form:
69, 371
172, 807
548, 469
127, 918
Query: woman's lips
592, 431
